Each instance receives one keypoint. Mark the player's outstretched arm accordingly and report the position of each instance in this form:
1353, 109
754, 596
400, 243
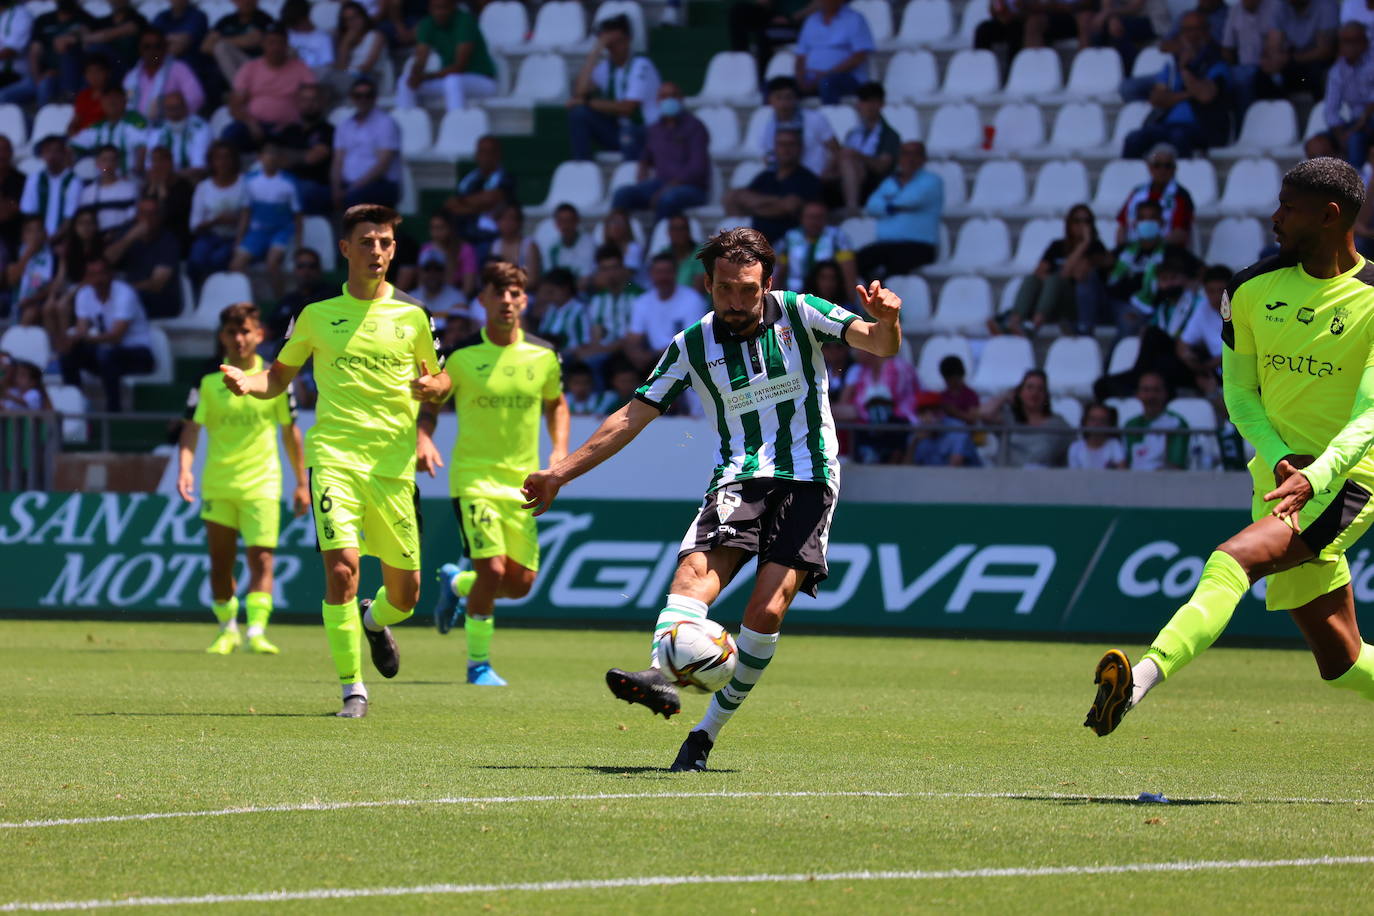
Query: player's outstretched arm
883, 335
263, 385
614, 433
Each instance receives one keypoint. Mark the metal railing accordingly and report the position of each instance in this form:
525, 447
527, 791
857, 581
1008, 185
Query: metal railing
31, 440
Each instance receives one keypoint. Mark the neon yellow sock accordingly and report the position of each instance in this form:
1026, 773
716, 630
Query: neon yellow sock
226, 612
259, 606
1197, 624
1360, 677
462, 583
344, 629
479, 630
384, 613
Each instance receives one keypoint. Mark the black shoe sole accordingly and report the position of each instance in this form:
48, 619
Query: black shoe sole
627, 690
1113, 680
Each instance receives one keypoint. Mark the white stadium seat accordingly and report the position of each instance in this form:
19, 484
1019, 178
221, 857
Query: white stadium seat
982, 245
324, 15
878, 14
952, 176
1018, 127
316, 233
911, 76
658, 238
1124, 355
904, 120
1078, 126
970, 74
862, 230
417, 133
975, 11
1316, 122
935, 349
459, 132
626, 173
639, 35
27, 343
731, 78
915, 295
1252, 187
504, 24
1118, 178
964, 307
13, 127
541, 78
1198, 413
559, 25
1001, 365
1069, 408
1072, 364
1199, 177
999, 186
723, 125
1036, 236
1131, 116
842, 118
1035, 72
1126, 409
1059, 184
745, 172
954, 128
783, 63
1095, 74
576, 183
162, 361
925, 22
51, 119
1236, 242
1269, 127
1150, 61
68, 399
220, 289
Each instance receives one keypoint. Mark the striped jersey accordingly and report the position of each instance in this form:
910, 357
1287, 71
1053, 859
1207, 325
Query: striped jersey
766, 394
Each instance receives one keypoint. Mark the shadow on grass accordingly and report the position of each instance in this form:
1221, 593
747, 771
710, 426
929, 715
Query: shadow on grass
1135, 802
591, 768
212, 715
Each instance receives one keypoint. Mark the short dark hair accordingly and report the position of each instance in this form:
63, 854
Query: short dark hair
871, 90
502, 274
1331, 179
308, 251
97, 60
1218, 273
609, 250
239, 314
738, 246
663, 256
565, 207
149, 30
106, 148
780, 82
1113, 418
369, 213
952, 365
364, 81
1180, 261
50, 138
577, 368
1151, 204
619, 23
560, 277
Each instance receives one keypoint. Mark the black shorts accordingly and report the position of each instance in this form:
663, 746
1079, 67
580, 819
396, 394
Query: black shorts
780, 521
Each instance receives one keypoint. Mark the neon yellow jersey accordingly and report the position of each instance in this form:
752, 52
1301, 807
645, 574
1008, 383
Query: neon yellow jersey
499, 393
241, 460
366, 354
1311, 341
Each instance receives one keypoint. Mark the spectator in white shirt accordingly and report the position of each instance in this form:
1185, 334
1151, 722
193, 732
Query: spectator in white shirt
437, 294
615, 96
311, 45
660, 313
367, 153
572, 248
818, 137
1094, 450
215, 207
111, 336
186, 135
357, 51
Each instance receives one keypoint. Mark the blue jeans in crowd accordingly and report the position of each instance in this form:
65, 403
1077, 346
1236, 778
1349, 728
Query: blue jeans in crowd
382, 191
833, 86
671, 202
209, 253
587, 127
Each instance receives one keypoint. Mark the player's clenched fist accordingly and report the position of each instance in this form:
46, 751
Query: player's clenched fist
540, 489
882, 303
235, 379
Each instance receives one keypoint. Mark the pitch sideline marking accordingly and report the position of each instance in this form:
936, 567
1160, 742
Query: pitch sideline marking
630, 796
680, 880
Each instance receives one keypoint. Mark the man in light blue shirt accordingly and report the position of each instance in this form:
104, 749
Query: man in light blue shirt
1349, 99
832, 52
908, 205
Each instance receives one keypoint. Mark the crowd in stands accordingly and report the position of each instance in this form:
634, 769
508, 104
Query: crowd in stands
102, 218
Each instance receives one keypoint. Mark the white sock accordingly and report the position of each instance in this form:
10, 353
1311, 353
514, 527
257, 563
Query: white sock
679, 608
254, 631
231, 627
371, 622
1144, 676
355, 689
755, 652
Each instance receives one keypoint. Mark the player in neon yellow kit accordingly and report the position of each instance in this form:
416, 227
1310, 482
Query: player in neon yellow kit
504, 381
373, 347
241, 481
1298, 368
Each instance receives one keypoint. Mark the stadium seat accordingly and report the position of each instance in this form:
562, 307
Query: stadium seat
658, 238
1035, 73
1150, 61
842, 118
1059, 184
68, 399
459, 132
1198, 413
1126, 409
1095, 74
924, 22
861, 230
911, 76
1236, 242
1069, 408
904, 120
935, 349
999, 186
1072, 364
729, 222
1017, 127
952, 176
745, 172
964, 307
954, 128
541, 78
1124, 355
1252, 186
162, 361
1316, 123
409, 201
504, 24
1006, 300
878, 13
1118, 178
1269, 129
1001, 365
559, 25
915, 295
1078, 126
970, 74
324, 15
625, 173
782, 63
975, 11
1199, 176
1036, 236
723, 125
220, 289
417, 132
639, 35
576, 183
731, 78
27, 343
13, 127
982, 245
1131, 116
754, 128
51, 119
317, 233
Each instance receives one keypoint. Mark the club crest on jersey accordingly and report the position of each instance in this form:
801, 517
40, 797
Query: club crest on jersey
370, 326
1226, 306
1338, 319
1306, 314
785, 335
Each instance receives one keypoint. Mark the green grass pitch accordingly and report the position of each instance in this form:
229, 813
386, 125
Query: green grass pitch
996, 798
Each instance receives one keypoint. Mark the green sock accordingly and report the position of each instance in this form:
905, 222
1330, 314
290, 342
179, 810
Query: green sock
259, 610
462, 583
1197, 624
1360, 677
384, 613
344, 629
226, 612
479, 630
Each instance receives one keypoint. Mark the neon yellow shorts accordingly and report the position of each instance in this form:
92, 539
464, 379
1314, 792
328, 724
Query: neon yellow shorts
257, 520
1330, 524
380, 516
497, 528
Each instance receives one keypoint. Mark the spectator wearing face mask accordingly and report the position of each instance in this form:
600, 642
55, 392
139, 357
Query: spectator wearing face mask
1140, 256
1176, 210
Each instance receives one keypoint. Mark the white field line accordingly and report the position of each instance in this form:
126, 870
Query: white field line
633, 796
327, 893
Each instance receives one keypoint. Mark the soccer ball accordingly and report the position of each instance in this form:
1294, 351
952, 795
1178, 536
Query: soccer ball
698, 653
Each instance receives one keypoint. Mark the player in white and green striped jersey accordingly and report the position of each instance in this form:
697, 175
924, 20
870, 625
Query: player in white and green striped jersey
755, 362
